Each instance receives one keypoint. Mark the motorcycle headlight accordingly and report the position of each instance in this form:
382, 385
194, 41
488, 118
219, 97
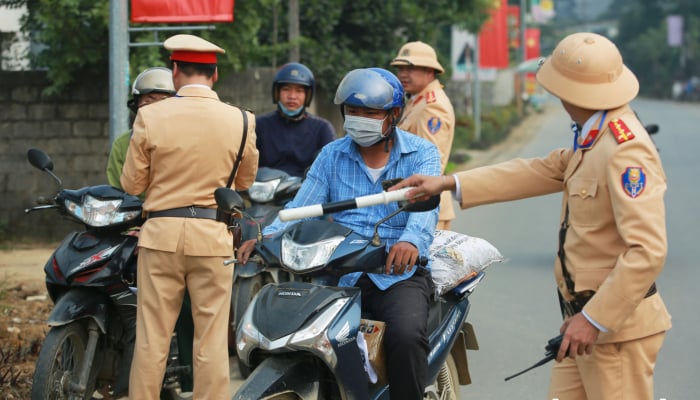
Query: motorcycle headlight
98, 213
262, 192
306, 257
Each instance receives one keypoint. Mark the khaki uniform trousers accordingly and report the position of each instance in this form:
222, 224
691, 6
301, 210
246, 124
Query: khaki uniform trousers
613, 371
162, 277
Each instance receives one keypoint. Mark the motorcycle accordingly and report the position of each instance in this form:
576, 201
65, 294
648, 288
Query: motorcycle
91, 280
269, 193
300, 338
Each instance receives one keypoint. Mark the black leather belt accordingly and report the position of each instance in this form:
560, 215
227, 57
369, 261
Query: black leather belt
185, 212
569, 308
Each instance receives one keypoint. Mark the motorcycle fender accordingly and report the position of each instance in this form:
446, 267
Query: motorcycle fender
247, 270
466, 339
80, 303
280, 374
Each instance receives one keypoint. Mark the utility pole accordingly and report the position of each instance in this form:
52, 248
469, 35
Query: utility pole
118, 68
294, 30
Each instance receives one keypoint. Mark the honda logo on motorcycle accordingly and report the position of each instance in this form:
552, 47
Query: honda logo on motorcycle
289, 293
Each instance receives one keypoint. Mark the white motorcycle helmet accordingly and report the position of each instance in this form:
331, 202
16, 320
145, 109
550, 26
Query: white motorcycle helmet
152, 80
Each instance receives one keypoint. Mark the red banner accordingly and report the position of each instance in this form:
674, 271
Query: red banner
179, 11
493, 38
532, 43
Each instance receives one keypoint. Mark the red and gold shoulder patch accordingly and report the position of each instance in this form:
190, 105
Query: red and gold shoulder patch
430, 97
620, 130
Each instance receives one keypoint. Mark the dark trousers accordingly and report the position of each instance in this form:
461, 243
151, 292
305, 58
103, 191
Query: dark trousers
404, 308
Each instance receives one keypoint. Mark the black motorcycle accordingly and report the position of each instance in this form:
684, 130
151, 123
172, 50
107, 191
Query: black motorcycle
91, 279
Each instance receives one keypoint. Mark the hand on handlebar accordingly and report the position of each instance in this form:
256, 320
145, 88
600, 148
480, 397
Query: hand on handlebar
244, 251
403, 256
425, 186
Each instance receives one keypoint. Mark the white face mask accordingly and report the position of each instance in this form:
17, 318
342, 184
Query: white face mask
364, 131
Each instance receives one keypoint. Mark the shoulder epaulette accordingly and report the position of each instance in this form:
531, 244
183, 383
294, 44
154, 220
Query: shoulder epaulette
620, 130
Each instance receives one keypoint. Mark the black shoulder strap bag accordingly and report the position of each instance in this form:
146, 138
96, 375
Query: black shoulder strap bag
240, 150
231, 221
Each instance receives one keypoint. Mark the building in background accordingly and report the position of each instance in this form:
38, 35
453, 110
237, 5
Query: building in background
13, 45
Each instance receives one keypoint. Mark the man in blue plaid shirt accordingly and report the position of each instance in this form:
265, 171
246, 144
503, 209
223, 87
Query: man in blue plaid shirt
375, 150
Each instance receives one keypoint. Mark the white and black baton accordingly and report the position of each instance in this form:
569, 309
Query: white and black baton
317, 210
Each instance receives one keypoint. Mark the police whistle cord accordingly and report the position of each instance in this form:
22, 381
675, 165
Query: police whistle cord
318, 210
551, 350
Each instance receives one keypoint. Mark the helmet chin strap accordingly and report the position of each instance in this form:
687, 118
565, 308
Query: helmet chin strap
283, 111
392, 129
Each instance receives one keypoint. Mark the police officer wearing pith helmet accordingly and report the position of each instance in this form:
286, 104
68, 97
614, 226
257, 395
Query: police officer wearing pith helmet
612, 241
183, 149
429, 112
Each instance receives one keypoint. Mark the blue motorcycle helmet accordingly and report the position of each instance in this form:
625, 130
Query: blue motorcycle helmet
374, 88
295, 73
370, 88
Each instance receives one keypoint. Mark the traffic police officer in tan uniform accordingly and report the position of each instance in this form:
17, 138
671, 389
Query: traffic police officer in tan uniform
183, 149
429, 112
612, 244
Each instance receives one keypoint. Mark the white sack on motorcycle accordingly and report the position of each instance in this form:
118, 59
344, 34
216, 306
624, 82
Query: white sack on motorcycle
457, 257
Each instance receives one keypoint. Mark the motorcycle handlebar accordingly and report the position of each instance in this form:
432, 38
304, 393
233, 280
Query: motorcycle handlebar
318, 210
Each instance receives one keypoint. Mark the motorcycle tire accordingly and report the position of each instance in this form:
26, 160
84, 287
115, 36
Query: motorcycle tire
61, 357
244, 289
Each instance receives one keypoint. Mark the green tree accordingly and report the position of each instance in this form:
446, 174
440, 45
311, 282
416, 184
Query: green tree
335, 35
642, 40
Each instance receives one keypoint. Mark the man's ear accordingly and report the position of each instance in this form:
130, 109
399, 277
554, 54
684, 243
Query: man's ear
215, 77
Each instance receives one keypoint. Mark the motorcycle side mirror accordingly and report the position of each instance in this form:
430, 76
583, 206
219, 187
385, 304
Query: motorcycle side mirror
40, 160
228, 200
420, 206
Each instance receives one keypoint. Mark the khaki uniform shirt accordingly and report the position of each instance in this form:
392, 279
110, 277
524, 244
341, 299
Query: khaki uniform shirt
183, 149
616, 242
430, 115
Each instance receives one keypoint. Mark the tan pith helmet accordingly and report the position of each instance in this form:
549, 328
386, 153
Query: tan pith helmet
586, 70
418, 54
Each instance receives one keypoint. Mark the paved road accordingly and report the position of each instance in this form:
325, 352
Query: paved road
515, 311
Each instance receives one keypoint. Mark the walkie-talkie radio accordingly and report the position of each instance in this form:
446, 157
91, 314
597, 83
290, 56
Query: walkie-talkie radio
551, 350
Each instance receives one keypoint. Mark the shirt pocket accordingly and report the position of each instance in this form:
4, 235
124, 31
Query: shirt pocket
584, 202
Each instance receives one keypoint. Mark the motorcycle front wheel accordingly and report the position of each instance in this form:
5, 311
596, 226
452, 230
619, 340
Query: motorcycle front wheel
58, 366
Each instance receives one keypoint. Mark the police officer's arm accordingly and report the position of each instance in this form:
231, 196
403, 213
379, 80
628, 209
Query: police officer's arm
640, 220
509, 180
134, 178
245, 176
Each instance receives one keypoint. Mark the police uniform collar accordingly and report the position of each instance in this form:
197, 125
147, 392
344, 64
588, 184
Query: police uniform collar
590, 131
197, 91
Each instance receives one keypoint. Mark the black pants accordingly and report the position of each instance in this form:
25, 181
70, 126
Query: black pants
404, 308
